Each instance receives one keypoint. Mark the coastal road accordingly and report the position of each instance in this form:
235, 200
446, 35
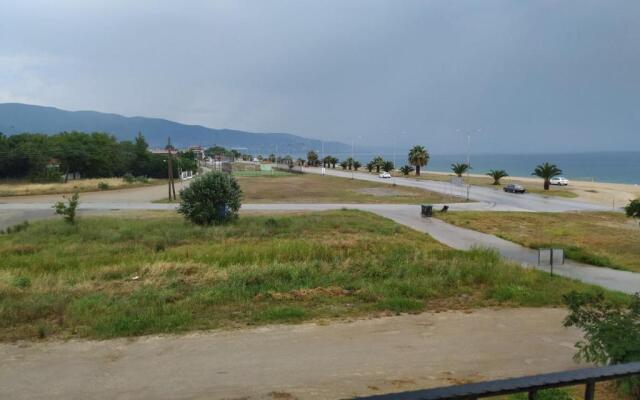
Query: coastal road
519, 202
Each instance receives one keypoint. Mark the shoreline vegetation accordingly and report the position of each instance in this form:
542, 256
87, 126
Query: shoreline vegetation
24, 188
106, 277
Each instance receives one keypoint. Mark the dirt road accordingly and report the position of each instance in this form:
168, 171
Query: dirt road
302, 361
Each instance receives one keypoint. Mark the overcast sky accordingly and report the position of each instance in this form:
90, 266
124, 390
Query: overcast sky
522, 75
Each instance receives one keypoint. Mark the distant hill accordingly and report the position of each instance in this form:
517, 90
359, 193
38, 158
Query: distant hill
18, 118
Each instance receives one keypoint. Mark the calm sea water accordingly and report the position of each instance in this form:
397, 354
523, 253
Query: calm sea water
618, 167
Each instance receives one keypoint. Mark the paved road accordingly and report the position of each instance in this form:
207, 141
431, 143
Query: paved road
306, 361
518, 202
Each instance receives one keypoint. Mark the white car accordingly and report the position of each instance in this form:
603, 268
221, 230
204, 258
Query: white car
385, 175
559, 180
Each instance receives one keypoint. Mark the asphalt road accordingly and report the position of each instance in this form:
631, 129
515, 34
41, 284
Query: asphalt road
516, 202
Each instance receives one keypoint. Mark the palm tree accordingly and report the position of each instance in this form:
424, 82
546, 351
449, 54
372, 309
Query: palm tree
356, 164
387, 166
497, 174
406, 170
312, 158
377, 161
547, 171
349, 163
370, 166
326, 162
460, 168
344, 165
418, 157
334, 161
300, 162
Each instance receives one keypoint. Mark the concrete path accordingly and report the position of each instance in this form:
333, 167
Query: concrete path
522, 202
307, 361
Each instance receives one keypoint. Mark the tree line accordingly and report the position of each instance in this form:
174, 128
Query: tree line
50, 158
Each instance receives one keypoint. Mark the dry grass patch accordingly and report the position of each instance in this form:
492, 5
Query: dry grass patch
312, 188
20, 188
604, 239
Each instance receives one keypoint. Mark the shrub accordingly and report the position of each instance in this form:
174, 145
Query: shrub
128, 177
21, 282
103, 186
68, 210
406, 170
16, 228
213, 198
633, 209
142, 179
611, 331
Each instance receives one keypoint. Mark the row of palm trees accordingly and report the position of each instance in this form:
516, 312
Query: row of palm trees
545, 171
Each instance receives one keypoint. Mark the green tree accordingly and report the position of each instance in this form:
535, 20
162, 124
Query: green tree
370, 166
497, 174
418, 157
344, 164
312, 158
326, 162
633, 209
387, 166
611, 330
406, 170
378, 162
334, 161
213, 198
460, 168
356, 164
547, 171
68, 210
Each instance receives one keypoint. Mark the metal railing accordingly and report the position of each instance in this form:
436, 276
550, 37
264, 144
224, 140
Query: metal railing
527, 384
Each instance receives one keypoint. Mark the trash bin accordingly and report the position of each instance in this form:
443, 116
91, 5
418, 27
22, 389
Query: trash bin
427, 210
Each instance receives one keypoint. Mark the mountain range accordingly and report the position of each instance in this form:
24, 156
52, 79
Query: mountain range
19, 118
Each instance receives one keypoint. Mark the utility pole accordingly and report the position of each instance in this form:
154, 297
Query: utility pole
322, 156
172, 188
353, 144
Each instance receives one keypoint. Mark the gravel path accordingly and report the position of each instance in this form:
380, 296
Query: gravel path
307, 361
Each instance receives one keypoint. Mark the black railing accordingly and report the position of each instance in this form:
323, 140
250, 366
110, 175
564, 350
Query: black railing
527, 384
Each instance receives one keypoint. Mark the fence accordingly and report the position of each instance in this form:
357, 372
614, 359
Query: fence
528, 384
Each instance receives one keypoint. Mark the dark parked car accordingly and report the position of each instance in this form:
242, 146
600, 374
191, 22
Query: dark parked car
511, 188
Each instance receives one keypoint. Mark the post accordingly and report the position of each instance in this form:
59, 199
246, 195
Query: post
590, 390
353, 144
170, 169
551, 261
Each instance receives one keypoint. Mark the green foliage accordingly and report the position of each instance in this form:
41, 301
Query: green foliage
497, 174
356, 164
103, 186
344, 164
633, 209
418, 157
547, 171
312, 158
213, 198
21, 282
611, 330
406, 170
16, 228
387, 166
68, 211
460, 168
377, 163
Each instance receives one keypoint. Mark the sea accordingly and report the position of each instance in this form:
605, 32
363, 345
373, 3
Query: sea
615, 167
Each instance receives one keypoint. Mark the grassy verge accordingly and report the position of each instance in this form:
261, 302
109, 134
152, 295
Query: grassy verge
107, 277
21, 188
603, 239
307, 188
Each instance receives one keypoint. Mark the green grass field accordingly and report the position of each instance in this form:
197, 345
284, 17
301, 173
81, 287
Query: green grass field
605, 239
124, 276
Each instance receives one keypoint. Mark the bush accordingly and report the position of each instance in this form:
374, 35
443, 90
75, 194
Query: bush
103, 186
128, 177
611, 331
213, 198
68, 210
633, 209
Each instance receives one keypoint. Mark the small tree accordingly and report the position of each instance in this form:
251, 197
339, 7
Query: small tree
406, 170
460, 168
633, 209
312, 158
611, 331
387, 166
377, 162
370, 166
213, 198
547, 171
68, 210
356, 164
334, 161
344, 165
497, 174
